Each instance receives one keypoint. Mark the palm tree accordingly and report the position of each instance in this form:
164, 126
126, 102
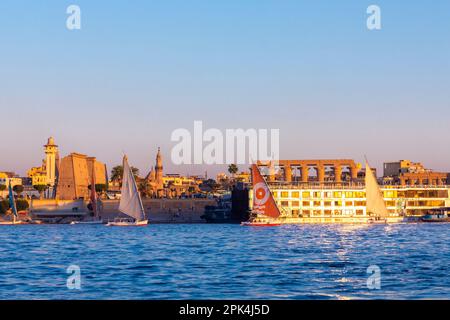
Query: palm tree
117, 173
233, 169
18, 189
40, 188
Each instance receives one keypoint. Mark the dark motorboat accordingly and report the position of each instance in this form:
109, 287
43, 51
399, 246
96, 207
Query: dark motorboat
436, 215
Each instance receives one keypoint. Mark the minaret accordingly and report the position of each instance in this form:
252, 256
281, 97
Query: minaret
159, 169
51, 152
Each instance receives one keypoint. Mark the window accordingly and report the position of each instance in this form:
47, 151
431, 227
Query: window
338, 194
295, 203
295, 194
284, 194
305, 203
327, 203
306, 194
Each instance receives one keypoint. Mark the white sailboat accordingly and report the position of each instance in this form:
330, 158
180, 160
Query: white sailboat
130, 201
375, 205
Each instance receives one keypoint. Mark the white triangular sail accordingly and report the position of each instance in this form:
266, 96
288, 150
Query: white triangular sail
374, 197
130, 201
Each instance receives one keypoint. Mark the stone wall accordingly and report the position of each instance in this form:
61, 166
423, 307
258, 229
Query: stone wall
164, 210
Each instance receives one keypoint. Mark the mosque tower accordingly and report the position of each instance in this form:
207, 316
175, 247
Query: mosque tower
51, 155
159, 170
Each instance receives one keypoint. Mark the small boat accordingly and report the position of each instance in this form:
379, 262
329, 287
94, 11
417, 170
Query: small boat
265, 210
130, 201
13, 208
436, 215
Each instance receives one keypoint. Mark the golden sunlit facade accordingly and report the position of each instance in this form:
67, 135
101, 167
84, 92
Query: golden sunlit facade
303, 202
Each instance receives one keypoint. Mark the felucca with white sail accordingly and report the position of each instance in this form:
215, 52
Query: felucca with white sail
375, 205
130, 201
265, 210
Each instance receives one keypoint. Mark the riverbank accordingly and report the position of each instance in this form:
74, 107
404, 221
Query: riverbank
156, 210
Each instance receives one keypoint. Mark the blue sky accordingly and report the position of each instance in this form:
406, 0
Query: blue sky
138, 70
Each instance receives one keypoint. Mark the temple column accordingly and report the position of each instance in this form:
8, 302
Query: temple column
338, 174
354, 173
321, 173
287, 173
305, 173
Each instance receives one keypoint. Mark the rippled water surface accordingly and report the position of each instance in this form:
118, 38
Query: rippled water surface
225, 261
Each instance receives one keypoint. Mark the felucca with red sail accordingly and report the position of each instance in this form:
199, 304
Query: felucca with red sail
265, 210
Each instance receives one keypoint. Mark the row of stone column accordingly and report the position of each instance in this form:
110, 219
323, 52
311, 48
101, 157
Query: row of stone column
413, 182
320, 169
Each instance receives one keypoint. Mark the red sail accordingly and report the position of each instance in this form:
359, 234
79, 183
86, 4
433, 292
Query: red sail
263, 201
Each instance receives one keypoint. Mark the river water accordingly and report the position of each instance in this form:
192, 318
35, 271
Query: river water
202, 261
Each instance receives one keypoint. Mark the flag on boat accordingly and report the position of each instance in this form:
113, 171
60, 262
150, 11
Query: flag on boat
263, 201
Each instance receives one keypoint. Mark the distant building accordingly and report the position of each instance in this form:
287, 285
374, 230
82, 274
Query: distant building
406, 172
221, 177
7, 178
47, 173
170, 185
75, 176
243, 177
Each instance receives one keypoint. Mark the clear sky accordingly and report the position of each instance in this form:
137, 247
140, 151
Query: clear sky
137, 70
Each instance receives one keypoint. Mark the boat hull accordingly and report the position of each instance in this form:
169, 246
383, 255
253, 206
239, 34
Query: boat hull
86, 222
436, 220
10, 223
142, 223
260, 224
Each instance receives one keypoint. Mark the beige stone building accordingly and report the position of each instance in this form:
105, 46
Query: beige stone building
47, 173
75, 176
